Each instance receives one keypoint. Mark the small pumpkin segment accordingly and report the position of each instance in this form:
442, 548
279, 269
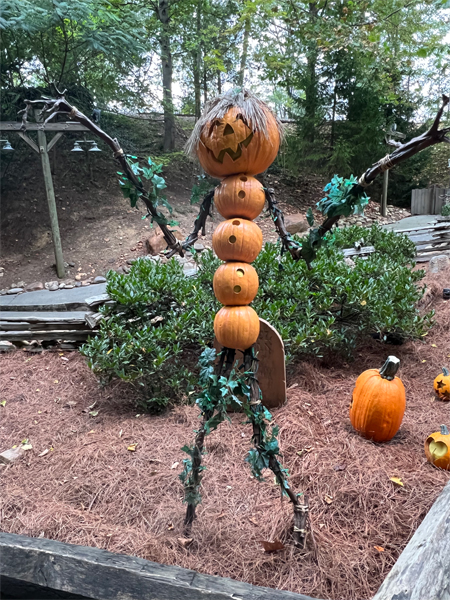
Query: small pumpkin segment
236, 327
239, 196
437, 448
442, 384
379, 402
237, 239
235, 283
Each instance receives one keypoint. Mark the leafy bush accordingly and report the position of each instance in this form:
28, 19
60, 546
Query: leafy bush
161, 321
445, 210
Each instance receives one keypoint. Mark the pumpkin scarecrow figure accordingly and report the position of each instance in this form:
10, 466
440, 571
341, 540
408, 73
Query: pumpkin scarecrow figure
236, 137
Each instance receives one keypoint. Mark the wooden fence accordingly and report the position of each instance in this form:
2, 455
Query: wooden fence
429, 201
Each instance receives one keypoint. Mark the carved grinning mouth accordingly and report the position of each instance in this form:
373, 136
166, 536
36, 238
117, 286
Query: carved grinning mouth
233, 155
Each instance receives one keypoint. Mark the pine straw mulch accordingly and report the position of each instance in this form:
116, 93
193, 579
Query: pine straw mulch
89, 489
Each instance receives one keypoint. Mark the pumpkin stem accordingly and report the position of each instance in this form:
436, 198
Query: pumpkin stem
444, 430
390, 368
445, 372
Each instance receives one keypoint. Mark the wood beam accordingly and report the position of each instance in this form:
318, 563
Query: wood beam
15, 126
54, 140
422, 570
28, 140
56, 236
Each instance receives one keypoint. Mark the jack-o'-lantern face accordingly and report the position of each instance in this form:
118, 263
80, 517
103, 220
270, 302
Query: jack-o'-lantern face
230, 145
227, 136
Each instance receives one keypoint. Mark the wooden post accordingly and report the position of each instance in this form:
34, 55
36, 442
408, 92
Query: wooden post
383, 206
46, 170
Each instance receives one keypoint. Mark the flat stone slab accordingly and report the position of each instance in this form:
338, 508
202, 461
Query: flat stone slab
44, 300
43, 316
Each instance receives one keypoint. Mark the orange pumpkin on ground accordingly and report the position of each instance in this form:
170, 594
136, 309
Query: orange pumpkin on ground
233, 144
237, 239
235, 283
379, 402
442, 384
437, 448
239, 196
236, 327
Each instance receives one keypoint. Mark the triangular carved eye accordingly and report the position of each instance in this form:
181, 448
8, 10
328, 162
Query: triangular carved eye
228, 130
214, 124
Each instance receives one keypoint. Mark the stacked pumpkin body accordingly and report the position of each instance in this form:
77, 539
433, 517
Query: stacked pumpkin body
232, 147
238, 241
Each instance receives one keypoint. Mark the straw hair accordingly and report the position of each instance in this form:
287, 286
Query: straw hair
253, 109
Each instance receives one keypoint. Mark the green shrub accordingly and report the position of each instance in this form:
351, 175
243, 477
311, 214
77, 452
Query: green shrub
161, 321
445, 210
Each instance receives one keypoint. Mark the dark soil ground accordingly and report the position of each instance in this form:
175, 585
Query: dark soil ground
101, 474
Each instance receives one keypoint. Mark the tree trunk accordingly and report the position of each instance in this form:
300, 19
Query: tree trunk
167, 76
205, 86
333, 118
219, 83
311, 81
197, 65
244, 54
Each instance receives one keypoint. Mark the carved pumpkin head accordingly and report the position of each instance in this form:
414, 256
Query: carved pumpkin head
237, 133
442, 384
437, 448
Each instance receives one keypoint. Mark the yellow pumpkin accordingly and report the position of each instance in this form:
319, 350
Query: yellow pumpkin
233, 144
235, 283
437, 448
237, 239
379, 402
239, 196
442, 384
236, 327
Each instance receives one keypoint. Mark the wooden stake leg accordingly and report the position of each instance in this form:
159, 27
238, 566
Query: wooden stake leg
300, 510
226, 360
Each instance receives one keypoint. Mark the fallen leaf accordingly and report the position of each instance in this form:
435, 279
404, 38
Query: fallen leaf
424, 361
379, 548
328, 499
397, 481
175, 465
91, 431
93, 413
132, 447
44, 452
272, 546
433, 346
321, 525
185, 542
110, 350
56, 381
339, 467
363, 303
27, 447
3, 403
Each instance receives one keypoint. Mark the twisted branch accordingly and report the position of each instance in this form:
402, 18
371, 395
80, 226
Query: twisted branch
199, 223
256, 407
